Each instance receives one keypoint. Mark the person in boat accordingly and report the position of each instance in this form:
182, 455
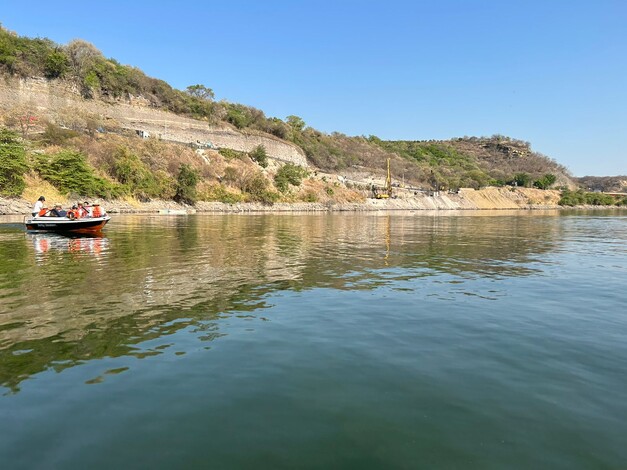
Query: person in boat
87, 208
98, 211
39, 205
58, 211
82, 210
73, 213
43, 212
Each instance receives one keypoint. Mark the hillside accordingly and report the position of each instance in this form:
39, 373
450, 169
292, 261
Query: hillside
135, 133
608, 184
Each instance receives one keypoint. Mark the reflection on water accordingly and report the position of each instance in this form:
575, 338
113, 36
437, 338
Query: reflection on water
67, 299
89, 244
378, 330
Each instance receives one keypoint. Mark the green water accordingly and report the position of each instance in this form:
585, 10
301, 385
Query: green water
411, 340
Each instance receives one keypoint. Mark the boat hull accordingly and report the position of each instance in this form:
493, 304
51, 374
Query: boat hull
61, 224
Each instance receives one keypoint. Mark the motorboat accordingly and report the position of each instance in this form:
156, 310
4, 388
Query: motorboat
65, 224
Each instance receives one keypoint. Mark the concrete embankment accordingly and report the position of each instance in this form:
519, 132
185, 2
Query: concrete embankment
465, 199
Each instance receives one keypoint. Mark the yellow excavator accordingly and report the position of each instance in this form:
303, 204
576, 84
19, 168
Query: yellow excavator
386, 192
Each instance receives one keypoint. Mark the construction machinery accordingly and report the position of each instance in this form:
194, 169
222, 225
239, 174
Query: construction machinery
385, 192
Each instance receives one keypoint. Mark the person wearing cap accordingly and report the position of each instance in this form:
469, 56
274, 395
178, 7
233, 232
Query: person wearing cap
58, 211
39, 205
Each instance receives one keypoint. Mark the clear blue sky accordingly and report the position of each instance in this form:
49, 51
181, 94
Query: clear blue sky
553, 72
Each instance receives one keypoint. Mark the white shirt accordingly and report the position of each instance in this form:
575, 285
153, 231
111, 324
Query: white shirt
38, 206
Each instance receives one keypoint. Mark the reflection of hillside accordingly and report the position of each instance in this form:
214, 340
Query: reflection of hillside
63, 308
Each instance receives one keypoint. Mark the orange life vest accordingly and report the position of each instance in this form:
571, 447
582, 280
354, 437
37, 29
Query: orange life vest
96, 211
42, 212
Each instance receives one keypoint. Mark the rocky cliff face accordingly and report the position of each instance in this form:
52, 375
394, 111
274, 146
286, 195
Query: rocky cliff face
61, 103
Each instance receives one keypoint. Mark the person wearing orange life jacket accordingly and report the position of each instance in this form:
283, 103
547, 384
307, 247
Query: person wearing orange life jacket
73, 213
82, 210
87, 207
98, 211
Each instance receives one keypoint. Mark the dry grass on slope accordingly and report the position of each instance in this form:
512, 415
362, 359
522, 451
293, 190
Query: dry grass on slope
36, 187
510, 198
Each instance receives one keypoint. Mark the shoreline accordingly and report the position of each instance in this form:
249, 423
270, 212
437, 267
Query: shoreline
18, 206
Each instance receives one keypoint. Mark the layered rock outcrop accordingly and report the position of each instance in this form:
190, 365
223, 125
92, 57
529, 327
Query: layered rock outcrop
60, 102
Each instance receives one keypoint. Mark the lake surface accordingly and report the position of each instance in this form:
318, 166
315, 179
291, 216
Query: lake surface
368, 341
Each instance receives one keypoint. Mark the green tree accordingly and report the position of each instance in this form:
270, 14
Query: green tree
200, 92
521, 179
295, 122
239, 115
277, 127
545, 182
260, 156
186, 182
91, 81
12, 164
57, 64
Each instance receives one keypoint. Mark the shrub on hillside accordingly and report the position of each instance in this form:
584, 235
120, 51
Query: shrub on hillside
276, 127
230, 154
69, 172
522, 180
256, 188
311, 196
137, 179
231, 175
186, 182
580, 197
599, 199
239, 115
12, 164
476, 179
56, 135
57, 64
289, 174
218, 192
260, 156
572, 198
545, 182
